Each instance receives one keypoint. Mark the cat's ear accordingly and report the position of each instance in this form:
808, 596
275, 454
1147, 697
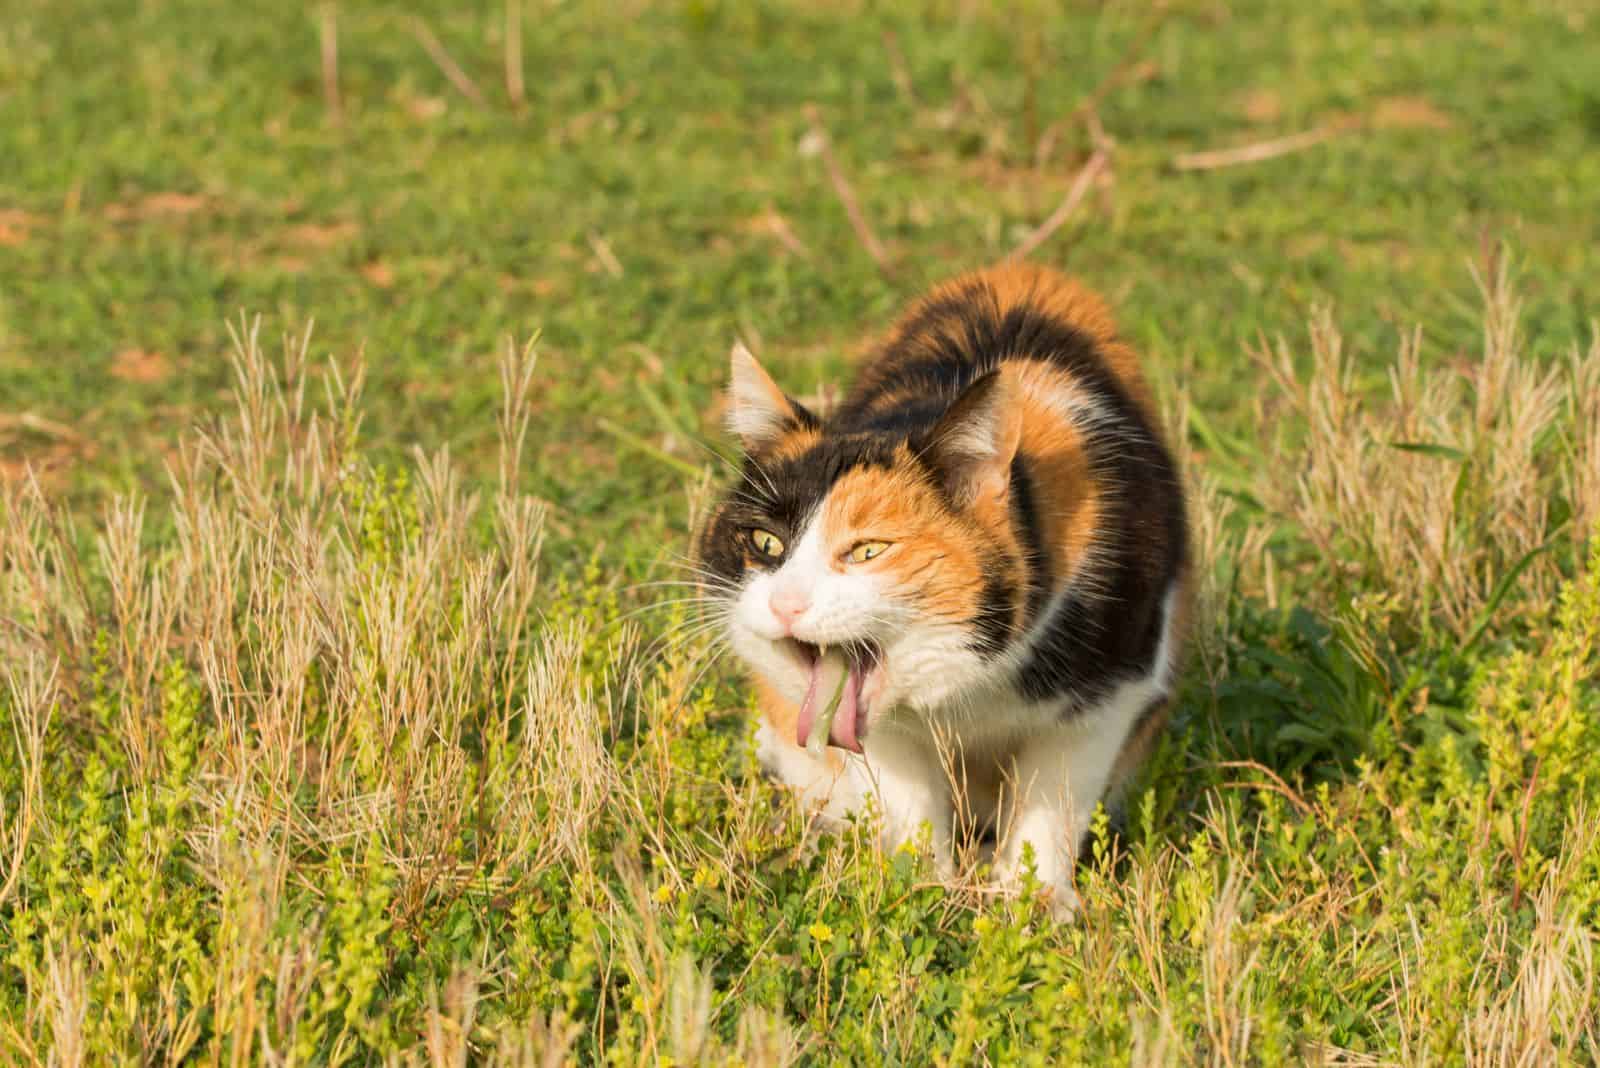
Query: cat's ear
759, 412
973, 444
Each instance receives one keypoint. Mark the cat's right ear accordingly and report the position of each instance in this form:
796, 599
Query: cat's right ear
759, 412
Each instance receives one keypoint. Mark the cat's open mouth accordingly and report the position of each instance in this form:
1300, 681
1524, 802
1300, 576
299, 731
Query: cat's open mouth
833, 712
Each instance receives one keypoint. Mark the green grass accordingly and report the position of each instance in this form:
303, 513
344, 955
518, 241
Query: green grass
519, 816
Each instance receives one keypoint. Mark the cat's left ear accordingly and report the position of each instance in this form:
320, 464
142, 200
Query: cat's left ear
759, 412
974, 442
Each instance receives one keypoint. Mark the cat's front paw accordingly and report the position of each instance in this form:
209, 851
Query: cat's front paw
920, 839
833, 786
1054, 889
1062, 901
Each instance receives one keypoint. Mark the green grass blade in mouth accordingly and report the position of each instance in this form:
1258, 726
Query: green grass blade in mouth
817, 743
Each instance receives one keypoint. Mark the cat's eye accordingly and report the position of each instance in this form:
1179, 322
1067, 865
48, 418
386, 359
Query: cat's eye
866, 550
766, 543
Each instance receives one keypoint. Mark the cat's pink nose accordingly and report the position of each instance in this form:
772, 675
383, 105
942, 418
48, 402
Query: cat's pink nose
789, 605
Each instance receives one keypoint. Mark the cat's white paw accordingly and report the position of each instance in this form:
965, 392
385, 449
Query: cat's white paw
834, 785
1054, 888
1062, 900
925, 842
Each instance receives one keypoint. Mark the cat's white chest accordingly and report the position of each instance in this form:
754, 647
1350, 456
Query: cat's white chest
1031, 770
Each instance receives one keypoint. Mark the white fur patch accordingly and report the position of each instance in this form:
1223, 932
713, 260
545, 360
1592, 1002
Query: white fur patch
1062, 773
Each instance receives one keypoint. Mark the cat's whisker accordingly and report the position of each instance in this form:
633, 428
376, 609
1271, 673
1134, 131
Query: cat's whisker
698, 665
695, 569
709, 616
766, 476
716, 454
661, 606
712, 655
673, 641
647, 611
692, 584
670, 602
689, 632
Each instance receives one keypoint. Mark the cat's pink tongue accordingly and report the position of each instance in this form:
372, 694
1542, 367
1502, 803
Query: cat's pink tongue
824, 682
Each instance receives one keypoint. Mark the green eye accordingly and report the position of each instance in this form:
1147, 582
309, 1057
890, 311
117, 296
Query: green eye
866, 550
766, 543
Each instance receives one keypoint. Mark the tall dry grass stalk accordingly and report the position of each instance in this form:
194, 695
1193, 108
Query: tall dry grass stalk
67, 1002
1528, 1000
1462, 478
33, 692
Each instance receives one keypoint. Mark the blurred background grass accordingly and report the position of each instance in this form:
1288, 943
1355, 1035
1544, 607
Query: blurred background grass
164, 165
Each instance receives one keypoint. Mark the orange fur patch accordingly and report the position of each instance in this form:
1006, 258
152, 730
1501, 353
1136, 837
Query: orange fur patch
937, 557
794, 443
1065, 494
890, 399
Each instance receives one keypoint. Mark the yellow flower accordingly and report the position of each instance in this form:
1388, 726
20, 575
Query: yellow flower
663, 893
820, 932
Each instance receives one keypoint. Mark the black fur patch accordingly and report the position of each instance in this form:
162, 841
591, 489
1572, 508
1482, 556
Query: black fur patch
992, 624
1025, 518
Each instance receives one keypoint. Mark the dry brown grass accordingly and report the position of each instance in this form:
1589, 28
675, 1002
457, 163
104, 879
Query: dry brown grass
368, 659
1460, 476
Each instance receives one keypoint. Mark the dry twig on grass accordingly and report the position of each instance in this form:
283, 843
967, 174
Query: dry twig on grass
898, 70
602, 252
1069, 204
1275, 784
330, 64
818, 136
12, 424
776, 225
442, 59
1216, 159
514, 86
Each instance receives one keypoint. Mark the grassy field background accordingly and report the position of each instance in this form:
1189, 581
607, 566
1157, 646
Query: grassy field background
335, 738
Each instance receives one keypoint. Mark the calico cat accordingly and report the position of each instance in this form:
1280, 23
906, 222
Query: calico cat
971, 577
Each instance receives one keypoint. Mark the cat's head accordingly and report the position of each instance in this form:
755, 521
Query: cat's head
891, 548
